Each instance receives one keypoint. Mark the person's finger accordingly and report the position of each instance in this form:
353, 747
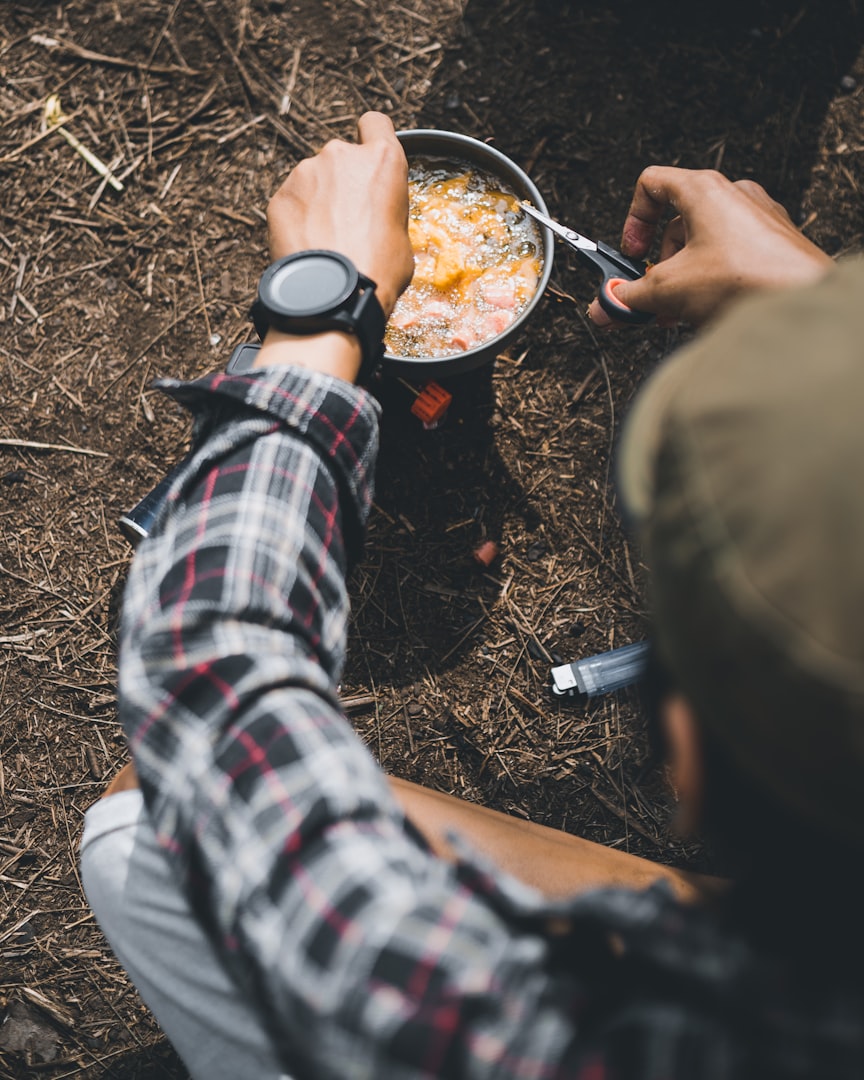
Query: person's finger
598, 316
760, 196
651, 200
674, 238
657, 291
375, 125
624, 295
661, 188
626, 292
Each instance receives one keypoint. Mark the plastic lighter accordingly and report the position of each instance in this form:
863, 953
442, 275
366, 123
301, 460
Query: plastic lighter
603, 673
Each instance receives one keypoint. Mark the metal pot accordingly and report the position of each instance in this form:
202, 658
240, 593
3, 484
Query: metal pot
462, 148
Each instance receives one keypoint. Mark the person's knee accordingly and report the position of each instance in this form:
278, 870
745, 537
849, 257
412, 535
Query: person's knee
110, 828
98, 864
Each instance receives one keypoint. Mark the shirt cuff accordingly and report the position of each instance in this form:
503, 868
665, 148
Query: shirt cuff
338, 418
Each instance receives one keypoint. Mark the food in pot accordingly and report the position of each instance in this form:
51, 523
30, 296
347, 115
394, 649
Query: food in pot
477, 262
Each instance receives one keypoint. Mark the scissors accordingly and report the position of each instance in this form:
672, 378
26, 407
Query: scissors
614, 266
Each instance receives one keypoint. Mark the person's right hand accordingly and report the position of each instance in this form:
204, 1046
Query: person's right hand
726, 239
351, 198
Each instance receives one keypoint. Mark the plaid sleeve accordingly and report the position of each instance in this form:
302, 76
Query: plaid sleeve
366, 956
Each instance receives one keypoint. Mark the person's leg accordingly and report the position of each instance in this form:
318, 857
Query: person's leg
149, 925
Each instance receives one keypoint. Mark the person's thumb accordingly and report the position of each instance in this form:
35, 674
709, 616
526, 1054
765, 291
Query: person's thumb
634, 294
631, 293
598, 316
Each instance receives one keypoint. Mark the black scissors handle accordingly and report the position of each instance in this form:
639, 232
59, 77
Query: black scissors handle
615, 268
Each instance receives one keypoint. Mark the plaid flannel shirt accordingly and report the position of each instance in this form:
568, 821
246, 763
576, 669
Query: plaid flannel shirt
365, 955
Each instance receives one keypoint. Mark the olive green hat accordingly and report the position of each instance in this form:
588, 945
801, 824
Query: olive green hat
742, 469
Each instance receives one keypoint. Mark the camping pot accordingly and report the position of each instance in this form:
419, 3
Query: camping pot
449, 146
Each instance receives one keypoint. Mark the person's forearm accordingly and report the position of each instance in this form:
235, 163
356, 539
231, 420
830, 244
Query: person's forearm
247, 570
332, 353
233, 639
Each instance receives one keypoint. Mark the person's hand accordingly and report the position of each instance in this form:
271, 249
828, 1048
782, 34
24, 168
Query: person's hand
352, 199
726, 239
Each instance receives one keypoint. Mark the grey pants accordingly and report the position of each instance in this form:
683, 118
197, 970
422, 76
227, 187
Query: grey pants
150, 927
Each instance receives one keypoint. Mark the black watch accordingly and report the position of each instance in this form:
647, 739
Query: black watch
313, 291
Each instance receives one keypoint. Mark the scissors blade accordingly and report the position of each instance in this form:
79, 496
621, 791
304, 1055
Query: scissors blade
569, 236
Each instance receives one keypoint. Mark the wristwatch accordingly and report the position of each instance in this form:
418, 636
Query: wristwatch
313, 291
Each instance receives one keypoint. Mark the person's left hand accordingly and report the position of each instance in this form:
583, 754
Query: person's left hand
352, 199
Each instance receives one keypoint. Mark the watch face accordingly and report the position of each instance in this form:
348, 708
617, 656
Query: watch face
312, 284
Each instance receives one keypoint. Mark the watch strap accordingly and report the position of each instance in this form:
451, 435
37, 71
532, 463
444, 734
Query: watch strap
371, 323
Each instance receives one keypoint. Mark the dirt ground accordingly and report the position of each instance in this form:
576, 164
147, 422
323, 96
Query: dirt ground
199, 107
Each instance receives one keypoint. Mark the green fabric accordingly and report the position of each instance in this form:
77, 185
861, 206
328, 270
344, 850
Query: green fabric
742, 466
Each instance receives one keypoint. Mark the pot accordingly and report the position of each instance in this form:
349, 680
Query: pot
451, 146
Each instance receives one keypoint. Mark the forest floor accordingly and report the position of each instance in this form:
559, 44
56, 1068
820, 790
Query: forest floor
200, 107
